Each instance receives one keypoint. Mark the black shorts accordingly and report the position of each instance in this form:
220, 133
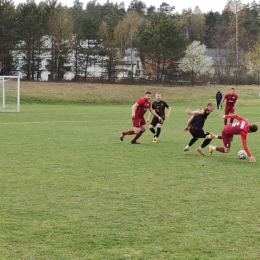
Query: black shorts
156, 121
198, 133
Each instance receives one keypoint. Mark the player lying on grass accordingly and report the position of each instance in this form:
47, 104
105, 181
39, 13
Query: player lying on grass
240, 127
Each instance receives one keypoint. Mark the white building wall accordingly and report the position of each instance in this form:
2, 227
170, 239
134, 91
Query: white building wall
93, 70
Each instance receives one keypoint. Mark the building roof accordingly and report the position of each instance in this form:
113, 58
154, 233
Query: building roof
225, 56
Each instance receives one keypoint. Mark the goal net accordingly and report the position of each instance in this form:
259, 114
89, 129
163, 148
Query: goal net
9, 93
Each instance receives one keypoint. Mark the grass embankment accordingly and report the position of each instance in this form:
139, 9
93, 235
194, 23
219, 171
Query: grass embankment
85, 93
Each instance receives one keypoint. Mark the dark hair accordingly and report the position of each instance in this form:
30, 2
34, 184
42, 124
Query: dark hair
253, 128
148, 92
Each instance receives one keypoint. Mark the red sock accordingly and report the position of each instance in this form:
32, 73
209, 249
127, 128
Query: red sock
220, 149
130, 132
225, 121
220, 137
137, 136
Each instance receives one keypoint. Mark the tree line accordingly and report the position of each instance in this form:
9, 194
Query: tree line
101, 33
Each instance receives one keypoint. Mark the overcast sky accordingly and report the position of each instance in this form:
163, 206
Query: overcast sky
204, 5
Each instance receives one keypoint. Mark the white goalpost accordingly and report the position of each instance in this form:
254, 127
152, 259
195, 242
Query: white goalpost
9, 93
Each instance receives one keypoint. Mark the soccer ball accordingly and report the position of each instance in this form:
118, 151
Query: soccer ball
242, 154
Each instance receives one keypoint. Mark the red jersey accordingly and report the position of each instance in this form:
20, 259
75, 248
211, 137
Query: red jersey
239, 127
143, 105
231, 99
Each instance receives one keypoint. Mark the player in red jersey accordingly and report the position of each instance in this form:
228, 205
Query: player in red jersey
138, 110
240, 127
231, 102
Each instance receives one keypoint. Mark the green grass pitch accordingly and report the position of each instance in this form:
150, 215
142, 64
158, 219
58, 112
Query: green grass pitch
70, 189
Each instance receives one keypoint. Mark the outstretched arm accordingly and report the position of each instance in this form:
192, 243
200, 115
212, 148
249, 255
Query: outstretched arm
198, 111
244, 142
235, 116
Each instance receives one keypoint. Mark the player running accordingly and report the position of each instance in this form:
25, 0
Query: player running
158, 106
195, 126
138, 110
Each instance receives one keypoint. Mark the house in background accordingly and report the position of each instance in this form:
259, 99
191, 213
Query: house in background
225, 60
166, 71
129, 65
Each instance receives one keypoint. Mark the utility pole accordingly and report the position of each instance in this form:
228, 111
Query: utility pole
236, 6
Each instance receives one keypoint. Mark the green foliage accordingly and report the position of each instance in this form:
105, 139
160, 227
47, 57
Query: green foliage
249, 26
126, 30
111, 15
86, 42
213, 22
71, 190
166, 8
31, 21
8, 35
28, 23
109, 52
138, 6
60, 30
109, 49
160, 42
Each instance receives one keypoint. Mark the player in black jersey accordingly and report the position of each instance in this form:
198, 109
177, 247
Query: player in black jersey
195, 126
158, 106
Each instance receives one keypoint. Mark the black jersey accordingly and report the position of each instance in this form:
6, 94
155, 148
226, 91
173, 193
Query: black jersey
198, 120
159, 108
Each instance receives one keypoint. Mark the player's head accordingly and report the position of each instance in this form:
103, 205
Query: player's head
158, 96
253, 128
210, 107
148, 94
232, 91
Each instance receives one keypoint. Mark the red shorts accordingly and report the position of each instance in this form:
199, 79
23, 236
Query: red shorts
229, 110
227, 139
138, 121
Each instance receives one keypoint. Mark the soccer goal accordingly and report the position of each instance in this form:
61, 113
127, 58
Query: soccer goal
9, 94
